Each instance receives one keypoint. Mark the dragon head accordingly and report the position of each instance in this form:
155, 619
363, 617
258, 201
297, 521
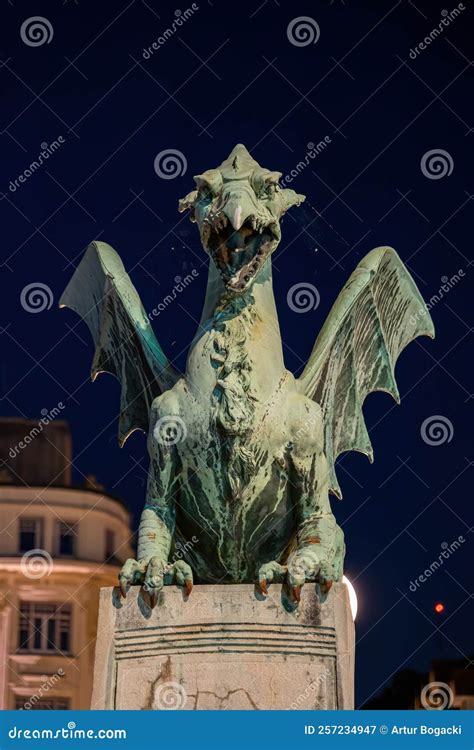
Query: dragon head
238, 207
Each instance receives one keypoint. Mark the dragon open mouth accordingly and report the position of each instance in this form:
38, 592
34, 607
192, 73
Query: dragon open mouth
240, 254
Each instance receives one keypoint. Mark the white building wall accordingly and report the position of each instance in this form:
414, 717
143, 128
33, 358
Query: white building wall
73, 580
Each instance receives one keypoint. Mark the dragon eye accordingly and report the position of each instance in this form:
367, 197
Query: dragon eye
204, 187
265, 183
268, 190
271, 188
208, 183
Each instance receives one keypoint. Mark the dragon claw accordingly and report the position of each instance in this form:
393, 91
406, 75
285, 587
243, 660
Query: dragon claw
296, 593
271, 572
153, 598
188, 587
325, 586
123, 589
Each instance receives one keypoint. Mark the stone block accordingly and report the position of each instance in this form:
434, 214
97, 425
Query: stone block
224, 648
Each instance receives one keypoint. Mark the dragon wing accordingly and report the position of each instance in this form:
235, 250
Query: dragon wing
378, 313
102, 293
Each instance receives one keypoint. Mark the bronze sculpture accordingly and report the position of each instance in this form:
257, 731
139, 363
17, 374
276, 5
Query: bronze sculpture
242, 454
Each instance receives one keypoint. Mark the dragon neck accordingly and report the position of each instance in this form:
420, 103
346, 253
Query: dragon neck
239, 339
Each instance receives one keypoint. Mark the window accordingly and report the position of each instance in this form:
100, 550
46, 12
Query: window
31, 534
44, 628
66, 540
53, 704
109, 544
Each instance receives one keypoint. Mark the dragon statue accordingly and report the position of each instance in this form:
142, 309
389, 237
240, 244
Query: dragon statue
242, 454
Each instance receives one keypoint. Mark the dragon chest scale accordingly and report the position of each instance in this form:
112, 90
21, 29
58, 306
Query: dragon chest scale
242, 454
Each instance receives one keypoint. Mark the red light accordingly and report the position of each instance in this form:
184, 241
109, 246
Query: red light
439, 607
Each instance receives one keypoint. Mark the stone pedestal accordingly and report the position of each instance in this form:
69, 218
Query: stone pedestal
227, 647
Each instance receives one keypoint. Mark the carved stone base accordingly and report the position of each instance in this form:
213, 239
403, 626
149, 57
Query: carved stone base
225, 648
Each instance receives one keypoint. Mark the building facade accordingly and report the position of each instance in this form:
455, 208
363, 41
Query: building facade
59, 545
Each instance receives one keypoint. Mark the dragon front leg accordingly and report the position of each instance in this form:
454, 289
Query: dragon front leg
319, 556
151, 569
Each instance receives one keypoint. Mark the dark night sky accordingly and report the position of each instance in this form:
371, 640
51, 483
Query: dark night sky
231, 74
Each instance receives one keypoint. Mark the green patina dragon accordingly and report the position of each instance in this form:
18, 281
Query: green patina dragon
242, 454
